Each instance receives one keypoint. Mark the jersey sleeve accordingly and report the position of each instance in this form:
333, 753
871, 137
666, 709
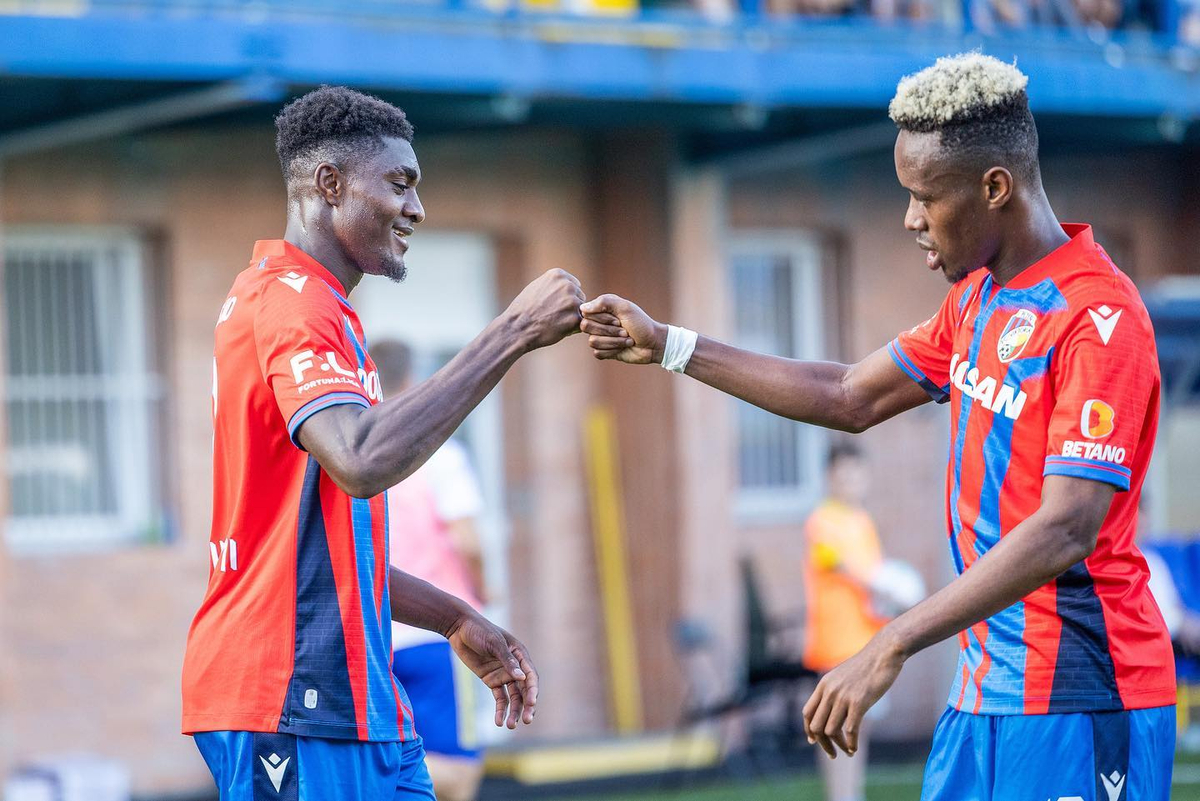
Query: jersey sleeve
924, 351
305, 352
1105, 378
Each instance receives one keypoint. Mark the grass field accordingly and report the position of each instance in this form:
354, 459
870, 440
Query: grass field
890, 783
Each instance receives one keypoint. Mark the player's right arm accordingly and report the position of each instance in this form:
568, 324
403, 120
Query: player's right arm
844, 397
366, 450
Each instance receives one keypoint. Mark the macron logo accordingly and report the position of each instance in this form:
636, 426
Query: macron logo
1106, 321
296, 281
1113, 784
275, 768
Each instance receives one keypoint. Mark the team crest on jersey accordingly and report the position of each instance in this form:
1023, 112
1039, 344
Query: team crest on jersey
1016, 333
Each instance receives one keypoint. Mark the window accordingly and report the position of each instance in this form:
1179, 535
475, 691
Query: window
776, 280
83, 395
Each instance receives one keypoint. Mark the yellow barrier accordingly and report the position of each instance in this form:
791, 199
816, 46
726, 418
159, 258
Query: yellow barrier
608, 533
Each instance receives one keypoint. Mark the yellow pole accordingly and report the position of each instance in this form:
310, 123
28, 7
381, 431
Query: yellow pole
608, 532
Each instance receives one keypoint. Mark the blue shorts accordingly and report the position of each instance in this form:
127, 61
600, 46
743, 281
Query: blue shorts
439, 689
1089, 756
256, 766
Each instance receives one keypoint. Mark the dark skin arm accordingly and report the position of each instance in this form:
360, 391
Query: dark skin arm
1061, 533
367, 450
498, 658
844, 397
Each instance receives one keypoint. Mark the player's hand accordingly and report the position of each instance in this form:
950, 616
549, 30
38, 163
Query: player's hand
547, 309
503, 663
833, 715
618, 329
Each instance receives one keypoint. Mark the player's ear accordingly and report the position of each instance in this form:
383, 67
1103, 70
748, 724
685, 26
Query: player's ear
330, 183
997, 187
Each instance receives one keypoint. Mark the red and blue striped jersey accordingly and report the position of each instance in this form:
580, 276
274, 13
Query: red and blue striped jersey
294, 633
1055, 373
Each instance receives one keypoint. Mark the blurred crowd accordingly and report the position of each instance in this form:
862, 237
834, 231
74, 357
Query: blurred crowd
1095, 18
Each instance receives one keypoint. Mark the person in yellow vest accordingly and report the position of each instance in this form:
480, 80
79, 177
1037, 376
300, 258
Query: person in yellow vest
842, 558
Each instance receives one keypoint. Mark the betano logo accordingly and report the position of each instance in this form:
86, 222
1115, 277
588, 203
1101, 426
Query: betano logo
1097, 420
985, 390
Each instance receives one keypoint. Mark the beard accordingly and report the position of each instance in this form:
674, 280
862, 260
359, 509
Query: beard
954, 275
390, 267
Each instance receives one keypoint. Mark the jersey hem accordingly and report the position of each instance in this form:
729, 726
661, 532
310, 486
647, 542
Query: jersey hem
1142, 699
270, 724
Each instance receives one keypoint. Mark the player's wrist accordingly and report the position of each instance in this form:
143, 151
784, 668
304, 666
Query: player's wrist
658, 345
893, 646
457, 616
518, 330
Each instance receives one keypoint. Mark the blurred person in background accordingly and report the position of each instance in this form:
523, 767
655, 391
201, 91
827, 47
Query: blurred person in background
287, 680
842, 556
1101, 15
1182, 623
850, 593
1045, 352
433, 534
1188, 28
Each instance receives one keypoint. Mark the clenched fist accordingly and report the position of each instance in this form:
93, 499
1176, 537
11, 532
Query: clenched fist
547, 309
619, 329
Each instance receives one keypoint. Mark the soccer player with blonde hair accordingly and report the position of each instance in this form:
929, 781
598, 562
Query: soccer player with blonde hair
1044, 352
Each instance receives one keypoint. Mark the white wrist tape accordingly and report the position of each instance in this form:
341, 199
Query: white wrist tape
678, 350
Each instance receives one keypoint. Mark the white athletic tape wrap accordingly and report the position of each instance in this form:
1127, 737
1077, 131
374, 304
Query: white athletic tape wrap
678, 350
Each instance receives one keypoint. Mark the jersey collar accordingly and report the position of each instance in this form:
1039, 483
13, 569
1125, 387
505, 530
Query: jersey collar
281, 248
1073, 251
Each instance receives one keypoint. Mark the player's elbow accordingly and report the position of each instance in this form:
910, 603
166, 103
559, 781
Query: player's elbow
858, 410
354, 483
858, 414
352, 475
1073, 541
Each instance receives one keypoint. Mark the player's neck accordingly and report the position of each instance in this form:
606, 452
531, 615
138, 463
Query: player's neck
325, 252
1039, 234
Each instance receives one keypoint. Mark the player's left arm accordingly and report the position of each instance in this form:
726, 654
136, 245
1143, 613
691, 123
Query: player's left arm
495, 656
1060, 534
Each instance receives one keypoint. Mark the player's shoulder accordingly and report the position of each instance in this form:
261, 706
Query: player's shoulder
284, 292
1103, 300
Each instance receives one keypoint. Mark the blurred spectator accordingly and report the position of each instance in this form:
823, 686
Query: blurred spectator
1189, 22
1105, 14
433, 535
842, 558
990, 15
1182, 622
812, 8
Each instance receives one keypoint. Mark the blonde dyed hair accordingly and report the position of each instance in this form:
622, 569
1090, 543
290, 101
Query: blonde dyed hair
957, 89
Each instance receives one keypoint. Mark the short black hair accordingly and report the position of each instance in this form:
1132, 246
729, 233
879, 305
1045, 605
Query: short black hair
335, 124
978, 106
840, 451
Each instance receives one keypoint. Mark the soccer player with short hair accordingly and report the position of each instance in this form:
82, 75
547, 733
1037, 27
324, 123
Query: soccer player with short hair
1065, 684
287, 683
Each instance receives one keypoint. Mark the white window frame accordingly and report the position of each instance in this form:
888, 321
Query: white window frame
804, 253
134, 391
